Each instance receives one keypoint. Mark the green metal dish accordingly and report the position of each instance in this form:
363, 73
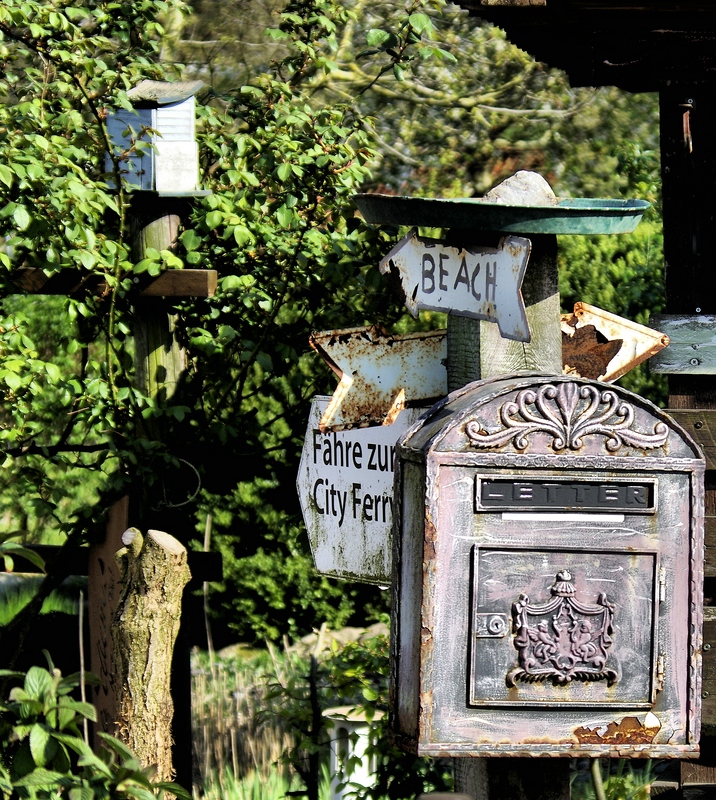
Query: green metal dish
580, 216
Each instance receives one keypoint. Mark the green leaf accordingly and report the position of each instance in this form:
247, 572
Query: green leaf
6, 175
213, 219
175, 789
21, 217
24, 552
285, 216
420, 23
190, 239
243, 236
38, 683
81, 793
42, 746
40, 777
380, 38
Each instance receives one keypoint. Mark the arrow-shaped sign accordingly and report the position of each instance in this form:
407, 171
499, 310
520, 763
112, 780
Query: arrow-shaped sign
380, 373
484, 284
600, 345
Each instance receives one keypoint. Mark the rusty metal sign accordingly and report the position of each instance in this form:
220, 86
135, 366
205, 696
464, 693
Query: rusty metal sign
480, 283
345, 486
603, 346
380, 374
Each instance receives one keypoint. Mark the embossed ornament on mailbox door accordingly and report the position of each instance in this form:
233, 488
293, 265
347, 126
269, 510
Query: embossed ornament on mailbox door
563, 639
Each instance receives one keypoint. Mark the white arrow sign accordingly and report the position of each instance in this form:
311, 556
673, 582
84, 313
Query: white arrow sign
345, 485
380, 373
484, 284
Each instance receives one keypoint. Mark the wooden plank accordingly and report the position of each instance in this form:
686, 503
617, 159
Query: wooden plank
704, 774
700, 423
172, 283
103, 591
710, 546
183, 283
693, 344
708, 711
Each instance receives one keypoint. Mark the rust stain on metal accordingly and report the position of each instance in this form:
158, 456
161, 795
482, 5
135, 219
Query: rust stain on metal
430, 536
587, 352
627, 731
603, 346
380, 373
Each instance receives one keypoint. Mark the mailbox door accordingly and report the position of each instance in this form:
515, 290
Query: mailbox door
564, 627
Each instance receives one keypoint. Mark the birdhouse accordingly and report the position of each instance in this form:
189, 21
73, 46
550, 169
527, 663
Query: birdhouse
548, 575
156, 139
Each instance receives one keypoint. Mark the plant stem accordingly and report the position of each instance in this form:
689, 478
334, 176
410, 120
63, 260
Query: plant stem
596, 769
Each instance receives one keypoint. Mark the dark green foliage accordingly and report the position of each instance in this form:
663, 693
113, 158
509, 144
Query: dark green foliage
284, 142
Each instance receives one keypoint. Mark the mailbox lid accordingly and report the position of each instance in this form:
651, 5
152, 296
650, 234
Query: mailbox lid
548, 415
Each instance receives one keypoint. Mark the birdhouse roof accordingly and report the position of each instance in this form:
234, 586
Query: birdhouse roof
163, 93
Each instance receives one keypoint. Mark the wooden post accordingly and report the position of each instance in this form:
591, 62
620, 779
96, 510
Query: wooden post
476, 350
120, 657
160, 360
688, 165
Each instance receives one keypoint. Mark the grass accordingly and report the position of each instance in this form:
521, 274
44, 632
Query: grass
621, 779
255, 786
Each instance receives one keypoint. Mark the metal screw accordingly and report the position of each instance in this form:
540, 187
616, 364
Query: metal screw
707, 646
704, 695
698, 425
135, 280
694, 362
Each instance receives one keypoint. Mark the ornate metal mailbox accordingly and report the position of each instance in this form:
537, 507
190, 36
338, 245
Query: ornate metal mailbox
548, 575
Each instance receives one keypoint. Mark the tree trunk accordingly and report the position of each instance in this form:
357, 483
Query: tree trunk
154, 574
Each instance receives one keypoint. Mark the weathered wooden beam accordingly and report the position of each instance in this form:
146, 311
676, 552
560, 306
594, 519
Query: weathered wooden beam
701, 424
172, 283
709, 670
692, 347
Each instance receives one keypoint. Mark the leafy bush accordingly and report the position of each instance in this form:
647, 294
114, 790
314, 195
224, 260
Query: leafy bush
44, 753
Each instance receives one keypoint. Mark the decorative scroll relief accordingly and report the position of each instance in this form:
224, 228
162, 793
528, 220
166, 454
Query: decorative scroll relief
568, 412
562, 640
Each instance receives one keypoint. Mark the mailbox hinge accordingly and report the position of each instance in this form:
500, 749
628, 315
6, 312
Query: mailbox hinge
662, 584
660, 669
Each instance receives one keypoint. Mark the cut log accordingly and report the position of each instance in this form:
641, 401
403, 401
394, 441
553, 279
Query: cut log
154, 573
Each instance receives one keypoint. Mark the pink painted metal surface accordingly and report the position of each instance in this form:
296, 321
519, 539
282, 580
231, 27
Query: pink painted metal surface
558, 526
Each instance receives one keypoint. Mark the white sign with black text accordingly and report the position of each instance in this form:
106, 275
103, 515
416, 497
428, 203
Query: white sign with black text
345, 485
483, 283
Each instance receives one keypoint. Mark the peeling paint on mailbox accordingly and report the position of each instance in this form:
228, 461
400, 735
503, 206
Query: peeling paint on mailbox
548, 575
345, 485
